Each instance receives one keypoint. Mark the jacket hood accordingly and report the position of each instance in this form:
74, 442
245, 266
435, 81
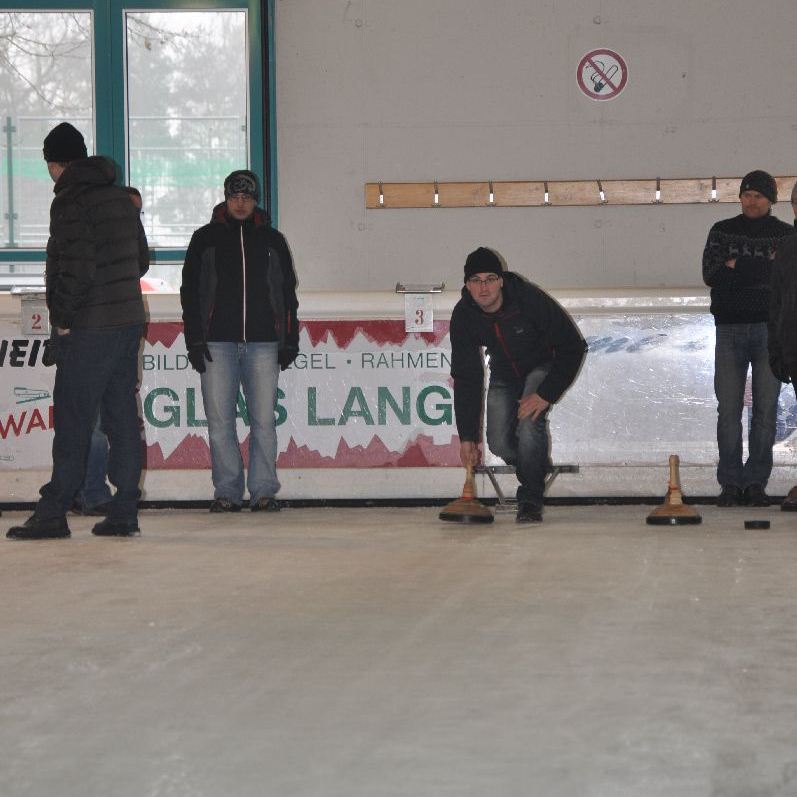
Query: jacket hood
220, 216
97, 169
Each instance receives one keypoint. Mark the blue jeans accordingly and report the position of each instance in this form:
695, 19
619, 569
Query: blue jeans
95, 489
524, 444
97, 371
254, 367
738, 347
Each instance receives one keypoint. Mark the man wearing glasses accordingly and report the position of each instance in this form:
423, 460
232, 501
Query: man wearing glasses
535, 351
783, 322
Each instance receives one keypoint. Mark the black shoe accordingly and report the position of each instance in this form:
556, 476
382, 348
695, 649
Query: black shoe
731, 495
528, 513
36, 528
116, 528
754, 495
98, 510
224, 505
265, 505
790, 502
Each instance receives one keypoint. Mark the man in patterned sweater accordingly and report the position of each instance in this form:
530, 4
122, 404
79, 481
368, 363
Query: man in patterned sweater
737, 266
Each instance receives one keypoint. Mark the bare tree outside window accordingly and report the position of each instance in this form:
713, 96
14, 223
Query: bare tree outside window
187, 96
187, 93
45, 78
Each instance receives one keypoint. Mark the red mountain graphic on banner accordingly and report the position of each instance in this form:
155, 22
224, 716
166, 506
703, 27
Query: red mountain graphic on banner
193, 454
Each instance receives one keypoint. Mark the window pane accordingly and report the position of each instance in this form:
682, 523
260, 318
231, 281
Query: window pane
187, 98
45, 78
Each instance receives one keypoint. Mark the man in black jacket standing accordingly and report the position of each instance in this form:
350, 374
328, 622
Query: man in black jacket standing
95, 255
737, 266
783, 322
240, 324
535, 352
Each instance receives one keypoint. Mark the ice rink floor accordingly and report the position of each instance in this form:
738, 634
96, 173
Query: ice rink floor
378, 651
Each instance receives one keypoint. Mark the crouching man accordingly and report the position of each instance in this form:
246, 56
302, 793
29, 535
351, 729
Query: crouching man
535, 352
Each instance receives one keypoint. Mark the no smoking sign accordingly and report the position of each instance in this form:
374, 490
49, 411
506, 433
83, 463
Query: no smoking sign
602, 74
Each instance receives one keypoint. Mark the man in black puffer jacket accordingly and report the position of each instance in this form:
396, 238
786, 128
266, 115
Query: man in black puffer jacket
95, 255
239, 315
535, 352
737, 266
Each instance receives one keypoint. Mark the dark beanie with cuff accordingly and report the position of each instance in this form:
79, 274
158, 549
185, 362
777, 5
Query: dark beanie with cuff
760, 181
241, 181
64, 144
483, 261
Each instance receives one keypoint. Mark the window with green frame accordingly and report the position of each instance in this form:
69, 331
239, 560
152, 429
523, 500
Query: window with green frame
176, 96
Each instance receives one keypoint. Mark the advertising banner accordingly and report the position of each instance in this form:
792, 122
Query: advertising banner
366, 394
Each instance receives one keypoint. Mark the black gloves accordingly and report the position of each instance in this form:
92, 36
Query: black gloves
779, 369
286, 356
50, 353
197, 354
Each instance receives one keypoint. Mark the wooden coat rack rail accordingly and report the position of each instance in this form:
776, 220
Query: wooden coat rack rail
560, 193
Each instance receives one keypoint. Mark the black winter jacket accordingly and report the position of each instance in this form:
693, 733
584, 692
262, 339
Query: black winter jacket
783, 312
741, 295
239, 284
529, 330
97, 250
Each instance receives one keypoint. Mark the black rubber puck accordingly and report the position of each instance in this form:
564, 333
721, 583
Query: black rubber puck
756, 524
673, 520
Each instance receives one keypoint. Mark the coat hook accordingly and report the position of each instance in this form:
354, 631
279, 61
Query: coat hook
657, 200
545, 199
491, 198
601, 194
713, 190
436, 201
381, 196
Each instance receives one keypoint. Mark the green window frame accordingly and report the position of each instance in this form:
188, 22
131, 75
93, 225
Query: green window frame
110, 101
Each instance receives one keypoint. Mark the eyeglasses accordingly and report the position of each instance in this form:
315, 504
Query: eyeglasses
476, 282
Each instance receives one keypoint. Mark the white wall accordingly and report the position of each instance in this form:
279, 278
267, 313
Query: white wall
417, 90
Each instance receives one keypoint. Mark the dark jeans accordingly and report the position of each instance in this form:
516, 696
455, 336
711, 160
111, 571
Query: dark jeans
97, 371
95, 489
524, 444
738, 347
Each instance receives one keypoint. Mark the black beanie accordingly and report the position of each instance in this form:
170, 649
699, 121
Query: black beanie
762, 182
483, 261
241, 181
63, 144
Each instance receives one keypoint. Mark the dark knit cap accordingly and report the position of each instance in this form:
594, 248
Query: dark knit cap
63, 144
482, 261
241, 182
762, 182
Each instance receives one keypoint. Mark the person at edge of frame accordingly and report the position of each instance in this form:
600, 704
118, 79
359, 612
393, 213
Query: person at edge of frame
737, 266
239, 303
535, 352
783, 322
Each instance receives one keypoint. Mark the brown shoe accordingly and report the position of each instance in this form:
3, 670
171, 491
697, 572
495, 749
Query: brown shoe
790, 502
